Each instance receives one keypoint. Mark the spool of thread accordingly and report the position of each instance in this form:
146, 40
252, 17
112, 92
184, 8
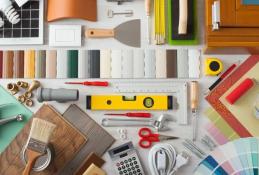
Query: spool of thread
240, 90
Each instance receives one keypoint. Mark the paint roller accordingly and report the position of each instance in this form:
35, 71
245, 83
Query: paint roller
241, 90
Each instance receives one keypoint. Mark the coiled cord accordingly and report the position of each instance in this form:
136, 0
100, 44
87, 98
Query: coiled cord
156, 165
163, 159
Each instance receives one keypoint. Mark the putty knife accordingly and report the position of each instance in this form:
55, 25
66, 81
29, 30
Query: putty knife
127, 33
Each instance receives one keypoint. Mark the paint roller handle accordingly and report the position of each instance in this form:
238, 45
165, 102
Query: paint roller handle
99, 33
148, 7
194, 96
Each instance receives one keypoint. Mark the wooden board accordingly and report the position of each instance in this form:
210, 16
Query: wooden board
66, 140
98, 139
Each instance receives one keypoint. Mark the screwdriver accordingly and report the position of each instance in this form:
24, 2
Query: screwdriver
194, 106
91, 83
130, 114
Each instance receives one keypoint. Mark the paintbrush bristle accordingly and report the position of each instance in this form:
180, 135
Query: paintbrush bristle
40, 133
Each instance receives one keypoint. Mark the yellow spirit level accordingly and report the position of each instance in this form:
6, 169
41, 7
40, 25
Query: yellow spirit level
138, 102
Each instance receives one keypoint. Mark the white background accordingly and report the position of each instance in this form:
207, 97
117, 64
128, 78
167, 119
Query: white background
104, 21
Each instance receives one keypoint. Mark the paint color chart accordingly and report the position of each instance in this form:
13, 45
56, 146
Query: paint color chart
240, 157
60, 64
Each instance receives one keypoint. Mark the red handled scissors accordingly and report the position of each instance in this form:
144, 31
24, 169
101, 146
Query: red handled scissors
147, 137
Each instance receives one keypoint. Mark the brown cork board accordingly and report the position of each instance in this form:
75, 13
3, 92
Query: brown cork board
67, 141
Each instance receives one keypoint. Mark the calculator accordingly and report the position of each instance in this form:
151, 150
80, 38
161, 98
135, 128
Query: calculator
126, 160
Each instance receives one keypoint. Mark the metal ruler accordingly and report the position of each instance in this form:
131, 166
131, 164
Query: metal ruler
179, 89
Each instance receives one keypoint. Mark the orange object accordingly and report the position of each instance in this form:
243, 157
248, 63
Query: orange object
63, 9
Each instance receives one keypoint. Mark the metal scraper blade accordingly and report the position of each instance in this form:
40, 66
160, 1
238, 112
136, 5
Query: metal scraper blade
129, 33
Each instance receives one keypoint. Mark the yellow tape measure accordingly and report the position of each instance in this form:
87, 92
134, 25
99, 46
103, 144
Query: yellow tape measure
138, 102
213, 66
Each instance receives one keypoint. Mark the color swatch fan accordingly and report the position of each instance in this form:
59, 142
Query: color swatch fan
237, 157
29, 30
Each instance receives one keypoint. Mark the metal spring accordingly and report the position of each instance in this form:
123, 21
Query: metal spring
1, 22
12, 15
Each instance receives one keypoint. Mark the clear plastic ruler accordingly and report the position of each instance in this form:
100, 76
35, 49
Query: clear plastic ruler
179, 89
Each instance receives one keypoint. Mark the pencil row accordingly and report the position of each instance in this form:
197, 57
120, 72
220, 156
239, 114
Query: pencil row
100, 64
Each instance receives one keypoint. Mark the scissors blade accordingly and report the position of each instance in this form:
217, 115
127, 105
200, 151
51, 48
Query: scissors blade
164, 137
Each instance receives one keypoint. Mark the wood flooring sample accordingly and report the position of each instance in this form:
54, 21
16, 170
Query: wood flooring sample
66, 139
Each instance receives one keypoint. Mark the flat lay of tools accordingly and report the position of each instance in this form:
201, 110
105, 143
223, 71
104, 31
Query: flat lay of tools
127, 87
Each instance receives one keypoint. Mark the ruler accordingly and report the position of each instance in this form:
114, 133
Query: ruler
179, 89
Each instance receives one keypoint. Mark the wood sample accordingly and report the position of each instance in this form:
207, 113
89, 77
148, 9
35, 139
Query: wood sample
98, 139
66, 140
92, 158
239, 28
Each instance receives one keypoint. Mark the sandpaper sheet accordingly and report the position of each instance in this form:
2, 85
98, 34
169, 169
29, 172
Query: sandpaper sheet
62, 9
98, 140
66, 140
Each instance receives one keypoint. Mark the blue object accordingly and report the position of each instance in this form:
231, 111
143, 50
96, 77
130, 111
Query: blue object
251, 2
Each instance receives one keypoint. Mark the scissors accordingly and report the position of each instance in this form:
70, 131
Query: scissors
147, 137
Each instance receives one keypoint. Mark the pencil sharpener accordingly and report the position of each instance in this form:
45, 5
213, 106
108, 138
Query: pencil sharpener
43, 161
213, 66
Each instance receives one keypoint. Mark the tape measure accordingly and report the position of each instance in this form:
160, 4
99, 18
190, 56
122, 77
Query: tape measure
130, 102
213, 66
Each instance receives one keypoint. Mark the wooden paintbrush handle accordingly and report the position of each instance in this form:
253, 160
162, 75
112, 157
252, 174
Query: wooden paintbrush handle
32, 157
183, 17
99, 33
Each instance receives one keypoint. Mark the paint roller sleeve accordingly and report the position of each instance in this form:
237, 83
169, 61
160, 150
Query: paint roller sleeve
238, 92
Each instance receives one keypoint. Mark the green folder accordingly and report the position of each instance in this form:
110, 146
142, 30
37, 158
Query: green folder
9, 106
72, 64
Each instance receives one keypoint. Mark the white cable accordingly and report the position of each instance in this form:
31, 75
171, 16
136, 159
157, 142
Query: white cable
170, 155
163, 159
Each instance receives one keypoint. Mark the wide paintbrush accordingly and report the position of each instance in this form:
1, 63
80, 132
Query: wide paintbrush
40, 133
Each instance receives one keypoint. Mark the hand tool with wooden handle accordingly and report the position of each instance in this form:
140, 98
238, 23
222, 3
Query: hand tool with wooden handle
128, 33
194, 105
183, 17
148, 13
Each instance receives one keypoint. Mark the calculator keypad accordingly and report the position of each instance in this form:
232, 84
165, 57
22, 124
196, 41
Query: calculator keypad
129, 166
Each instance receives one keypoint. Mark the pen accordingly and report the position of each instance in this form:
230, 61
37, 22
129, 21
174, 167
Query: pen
222, 77
91, 83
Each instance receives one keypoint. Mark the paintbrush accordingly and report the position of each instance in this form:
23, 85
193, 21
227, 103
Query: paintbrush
39, 136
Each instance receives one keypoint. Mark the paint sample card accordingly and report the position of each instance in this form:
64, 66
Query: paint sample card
234, 157
124, 63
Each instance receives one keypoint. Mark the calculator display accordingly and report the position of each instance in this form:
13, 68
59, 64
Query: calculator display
121, 149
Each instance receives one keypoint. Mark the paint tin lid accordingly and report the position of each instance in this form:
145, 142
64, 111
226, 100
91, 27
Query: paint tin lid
42, 162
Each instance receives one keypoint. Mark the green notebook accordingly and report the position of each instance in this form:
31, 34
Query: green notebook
9, 106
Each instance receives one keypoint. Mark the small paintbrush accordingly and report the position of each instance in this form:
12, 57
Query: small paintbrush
39, 136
